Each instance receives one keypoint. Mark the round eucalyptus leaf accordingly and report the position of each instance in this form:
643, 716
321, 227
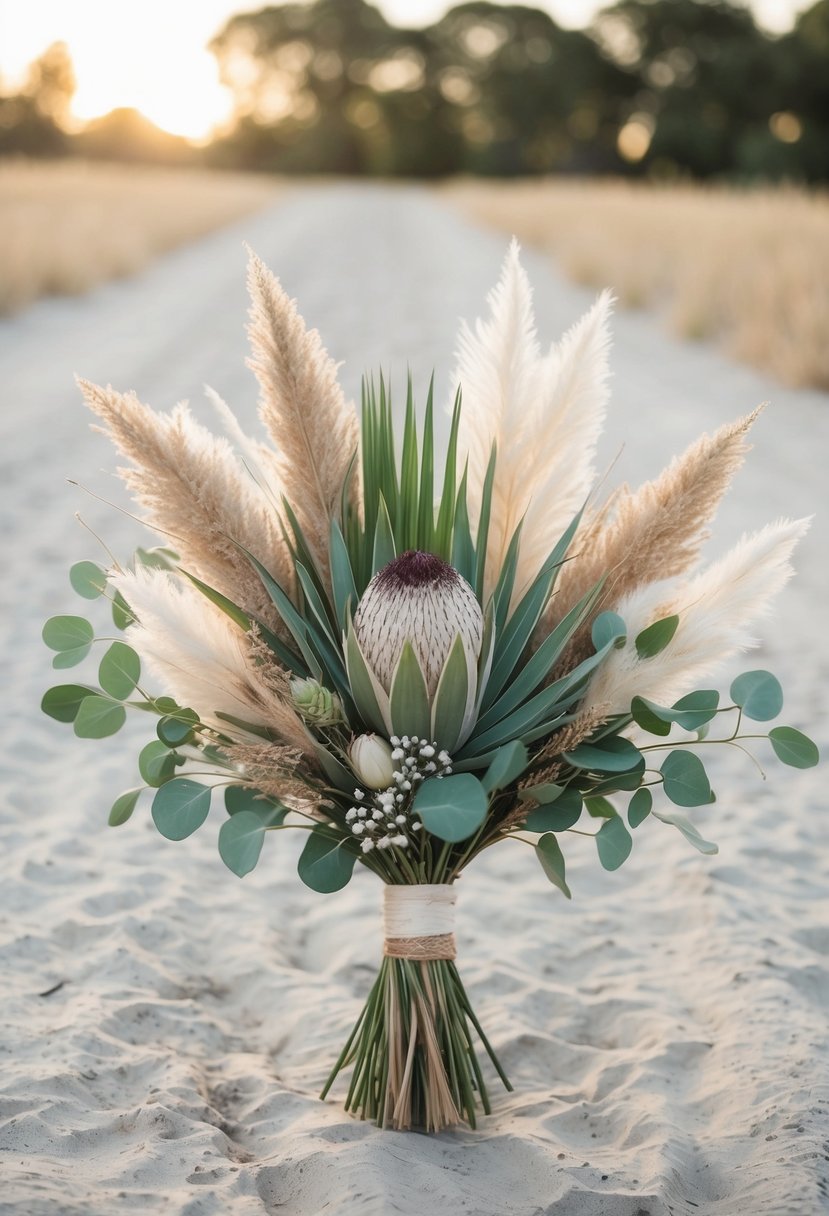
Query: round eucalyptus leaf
119, 671
759, 695
793, 747
327, 861
64, 700
685, 780
694, 711
608, 627
67, 632
451, 808
240, 842
611, 755
240, 798
649, 717
555, 816
88, 579
614, 843
180, 807
123, 807
156, 763
174, 731
99, 717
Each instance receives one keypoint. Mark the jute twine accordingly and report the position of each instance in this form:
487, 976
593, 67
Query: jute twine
419, 921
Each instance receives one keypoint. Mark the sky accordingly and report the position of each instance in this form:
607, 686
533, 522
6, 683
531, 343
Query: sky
152, 55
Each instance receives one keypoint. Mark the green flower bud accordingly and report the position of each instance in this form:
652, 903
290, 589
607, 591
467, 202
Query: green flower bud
318, 705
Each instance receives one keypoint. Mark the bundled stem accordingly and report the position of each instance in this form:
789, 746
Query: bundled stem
413, 1050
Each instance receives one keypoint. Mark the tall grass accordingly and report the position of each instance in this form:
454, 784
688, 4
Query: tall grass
748, 268
67, 226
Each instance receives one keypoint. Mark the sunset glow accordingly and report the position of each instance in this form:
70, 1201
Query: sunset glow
154, 58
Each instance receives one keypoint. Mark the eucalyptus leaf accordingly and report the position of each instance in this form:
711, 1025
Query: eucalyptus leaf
614, 843
70, 636
98, 718
759, 695
269, 811
88, 579
608, 627
123, 807
655, 638
327, 861
556, 816
611, 755
685, 780
156, 763
639, 807
180, 807
64, 700
688, 831
119, 671
551, 857
650, 717
451, 808
122, 615
177, 730
600, 808
793, 747
240, 842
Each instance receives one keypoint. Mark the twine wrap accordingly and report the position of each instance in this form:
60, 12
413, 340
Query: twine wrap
419, 921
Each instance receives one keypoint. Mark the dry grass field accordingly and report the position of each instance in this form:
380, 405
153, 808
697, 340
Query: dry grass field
67, 226
749, 269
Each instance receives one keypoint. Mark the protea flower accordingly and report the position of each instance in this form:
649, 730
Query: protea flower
416, 652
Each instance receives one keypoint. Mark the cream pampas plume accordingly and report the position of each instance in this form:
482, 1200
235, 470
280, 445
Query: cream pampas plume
544, 413
716, 611
302, 405
201, 658
197, 495
653, 533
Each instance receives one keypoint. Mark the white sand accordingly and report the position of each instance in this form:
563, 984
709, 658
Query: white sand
665, 1032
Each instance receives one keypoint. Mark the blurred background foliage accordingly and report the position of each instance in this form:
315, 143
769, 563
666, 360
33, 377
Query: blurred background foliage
656, 88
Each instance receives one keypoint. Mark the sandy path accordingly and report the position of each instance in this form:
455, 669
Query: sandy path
666, 1032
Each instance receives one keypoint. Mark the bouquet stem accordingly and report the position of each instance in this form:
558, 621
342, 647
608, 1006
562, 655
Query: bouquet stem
413, 1050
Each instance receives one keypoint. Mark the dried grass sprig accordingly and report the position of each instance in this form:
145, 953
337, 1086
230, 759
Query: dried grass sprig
275, 770
202, 659
195, 493
543, 413
716, 611
302, 405
655, 532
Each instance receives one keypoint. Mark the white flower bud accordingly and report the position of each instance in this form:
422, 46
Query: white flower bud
371, 760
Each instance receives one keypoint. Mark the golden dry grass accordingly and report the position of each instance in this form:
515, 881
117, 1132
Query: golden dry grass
748, 268
67, 226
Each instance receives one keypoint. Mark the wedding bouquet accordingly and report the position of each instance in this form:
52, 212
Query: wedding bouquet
411, 657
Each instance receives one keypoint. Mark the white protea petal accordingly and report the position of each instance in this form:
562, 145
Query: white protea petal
420, 599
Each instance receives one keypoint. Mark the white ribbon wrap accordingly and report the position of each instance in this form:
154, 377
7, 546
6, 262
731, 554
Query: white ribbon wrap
421, 910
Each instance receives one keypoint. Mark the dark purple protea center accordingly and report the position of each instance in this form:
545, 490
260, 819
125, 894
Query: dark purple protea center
416, 569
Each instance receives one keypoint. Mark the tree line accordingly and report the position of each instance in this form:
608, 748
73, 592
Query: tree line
652, 87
